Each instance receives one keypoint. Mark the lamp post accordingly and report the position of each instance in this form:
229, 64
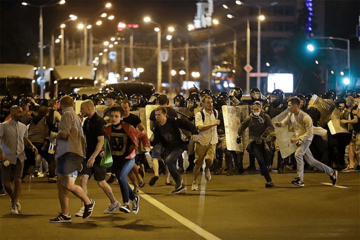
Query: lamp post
159, 64
260, 18
216, 22
41, 43
311, 48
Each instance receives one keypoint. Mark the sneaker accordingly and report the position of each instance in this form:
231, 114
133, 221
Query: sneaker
298, 182
142, 171
218, 171
52, 180
135, 206
153, 180
111, 179
80, 213
179, 189
207, 174
194, 186
334, 177
2, 193
348, 169
14, 210
61, 219
125, 208
269, 185
89, 208
18, 206
112, 208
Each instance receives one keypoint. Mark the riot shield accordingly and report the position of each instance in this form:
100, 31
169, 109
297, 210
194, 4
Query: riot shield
233, 117
325, 107
148, 110
283, 136
335, 126
99, 109
141, 114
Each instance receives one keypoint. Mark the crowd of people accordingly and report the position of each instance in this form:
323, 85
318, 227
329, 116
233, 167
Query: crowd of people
32, 128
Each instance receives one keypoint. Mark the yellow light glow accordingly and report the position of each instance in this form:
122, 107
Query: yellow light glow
80, 26
98, 23
89, 26
106, 43
173, 72
147, 19
157, 29
215, 21
261, 17
171, 29
73, 17
62, 25
182, 72
111, 17
108, 5
127, 69
104, 15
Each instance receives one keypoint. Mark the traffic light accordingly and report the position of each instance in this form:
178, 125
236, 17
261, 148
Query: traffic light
310, 47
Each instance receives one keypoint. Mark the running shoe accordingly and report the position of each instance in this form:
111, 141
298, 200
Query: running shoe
112, 208
61, 219
89, 208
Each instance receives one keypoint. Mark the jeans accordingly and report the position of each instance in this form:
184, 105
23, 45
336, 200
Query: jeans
263, 158
303, 153
121, 169
170, 161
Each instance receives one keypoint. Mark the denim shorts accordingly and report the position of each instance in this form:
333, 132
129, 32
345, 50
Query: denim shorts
69, 164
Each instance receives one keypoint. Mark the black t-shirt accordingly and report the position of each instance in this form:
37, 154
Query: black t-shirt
120, 143
93, 129
133, 120
170, 135
171, 113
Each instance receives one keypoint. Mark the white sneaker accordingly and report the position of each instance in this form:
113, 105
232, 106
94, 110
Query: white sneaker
80, 213
194, 186
14, 210
112, 207
18, 206
207, 174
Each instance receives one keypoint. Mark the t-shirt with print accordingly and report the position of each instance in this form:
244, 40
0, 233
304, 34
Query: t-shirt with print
120, 143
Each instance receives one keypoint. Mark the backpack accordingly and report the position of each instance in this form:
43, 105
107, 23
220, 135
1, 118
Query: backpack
203, 115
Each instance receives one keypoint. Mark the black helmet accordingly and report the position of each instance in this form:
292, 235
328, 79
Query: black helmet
223, 99
192, 101
193, 90
236, 92
153, 98
206, 92
330, 95
60, 95
137, 100
5, 106
162, 99
302, 97
255, 94
277, 96
179, 101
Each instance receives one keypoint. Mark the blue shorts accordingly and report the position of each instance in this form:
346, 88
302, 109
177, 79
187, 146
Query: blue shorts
69, 164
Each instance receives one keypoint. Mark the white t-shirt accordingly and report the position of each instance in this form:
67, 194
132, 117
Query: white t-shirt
293, 119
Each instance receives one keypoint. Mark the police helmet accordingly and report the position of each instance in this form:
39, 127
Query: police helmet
206, 92
223, 100
153, 98
192, 101
255, 94
179, 101
236, 92
277, 96
193, 90
137, 100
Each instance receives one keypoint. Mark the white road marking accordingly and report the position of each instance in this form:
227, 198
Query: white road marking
330, 184
187, 223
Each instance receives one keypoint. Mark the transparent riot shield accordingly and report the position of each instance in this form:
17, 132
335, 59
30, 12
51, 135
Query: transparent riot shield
233, 117
325, 107
335, 126
99, 109
148, 110
283, 136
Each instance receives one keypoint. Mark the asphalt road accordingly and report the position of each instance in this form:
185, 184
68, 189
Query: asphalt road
226, 207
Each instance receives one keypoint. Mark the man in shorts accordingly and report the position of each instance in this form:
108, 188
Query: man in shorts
70, 156
91, 166
14, 138
206, 121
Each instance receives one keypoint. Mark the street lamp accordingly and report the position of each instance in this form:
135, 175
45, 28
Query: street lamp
260, 18
159, 65
216, 22
41, 44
